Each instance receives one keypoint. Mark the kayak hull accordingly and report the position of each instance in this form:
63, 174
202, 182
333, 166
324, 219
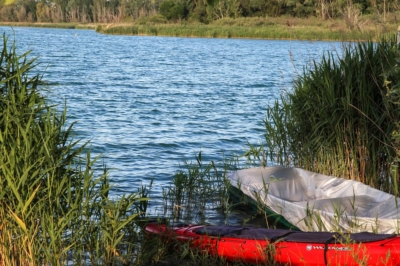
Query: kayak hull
246, 244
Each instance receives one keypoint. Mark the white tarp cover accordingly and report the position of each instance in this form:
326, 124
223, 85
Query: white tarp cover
316, 202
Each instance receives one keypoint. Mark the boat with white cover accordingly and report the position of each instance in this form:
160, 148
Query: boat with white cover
316, 202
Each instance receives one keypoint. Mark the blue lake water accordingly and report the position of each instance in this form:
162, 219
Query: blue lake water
148, 103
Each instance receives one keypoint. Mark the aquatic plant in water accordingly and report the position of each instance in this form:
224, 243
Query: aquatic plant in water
55, 205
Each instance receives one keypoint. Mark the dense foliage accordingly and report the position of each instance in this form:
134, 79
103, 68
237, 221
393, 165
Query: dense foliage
54, 206
342, 116
113, 11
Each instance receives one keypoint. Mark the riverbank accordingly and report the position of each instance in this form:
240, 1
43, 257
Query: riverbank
285, 28
86, 26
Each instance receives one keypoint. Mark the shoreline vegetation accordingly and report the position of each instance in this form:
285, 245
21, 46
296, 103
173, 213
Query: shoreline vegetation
280, 28
56, 204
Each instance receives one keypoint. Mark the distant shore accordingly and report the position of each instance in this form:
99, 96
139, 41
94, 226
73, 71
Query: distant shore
89, 26
252, 28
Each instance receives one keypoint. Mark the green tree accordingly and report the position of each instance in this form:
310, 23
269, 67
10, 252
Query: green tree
258, 7
199, 13
42, 12
172, 10
30, 9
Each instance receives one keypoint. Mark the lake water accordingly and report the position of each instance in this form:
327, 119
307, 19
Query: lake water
149, 103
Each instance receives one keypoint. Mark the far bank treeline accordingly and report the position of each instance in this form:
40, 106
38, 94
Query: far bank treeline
204, 11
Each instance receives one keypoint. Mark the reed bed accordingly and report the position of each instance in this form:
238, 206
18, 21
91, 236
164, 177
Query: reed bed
197, 190
341, 117
55, 203
258, 28
216, 31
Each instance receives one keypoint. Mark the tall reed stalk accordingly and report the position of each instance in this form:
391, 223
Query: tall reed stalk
340, 119
54, 207
195, 190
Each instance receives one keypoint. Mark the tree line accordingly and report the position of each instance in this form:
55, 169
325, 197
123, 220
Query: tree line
116, 11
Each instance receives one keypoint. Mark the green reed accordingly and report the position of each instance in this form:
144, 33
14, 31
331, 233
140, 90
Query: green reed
255, 28
339, 119
196, 189
55, 206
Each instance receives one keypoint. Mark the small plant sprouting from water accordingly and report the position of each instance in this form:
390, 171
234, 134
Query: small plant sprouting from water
196, 189
142, 204
256, 155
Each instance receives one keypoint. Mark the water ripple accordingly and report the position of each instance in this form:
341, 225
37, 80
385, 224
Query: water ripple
148, 103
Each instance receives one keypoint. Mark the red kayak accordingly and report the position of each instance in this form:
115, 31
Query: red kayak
260, 245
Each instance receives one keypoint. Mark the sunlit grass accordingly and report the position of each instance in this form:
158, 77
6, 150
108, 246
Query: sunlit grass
256, 28
215, 31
